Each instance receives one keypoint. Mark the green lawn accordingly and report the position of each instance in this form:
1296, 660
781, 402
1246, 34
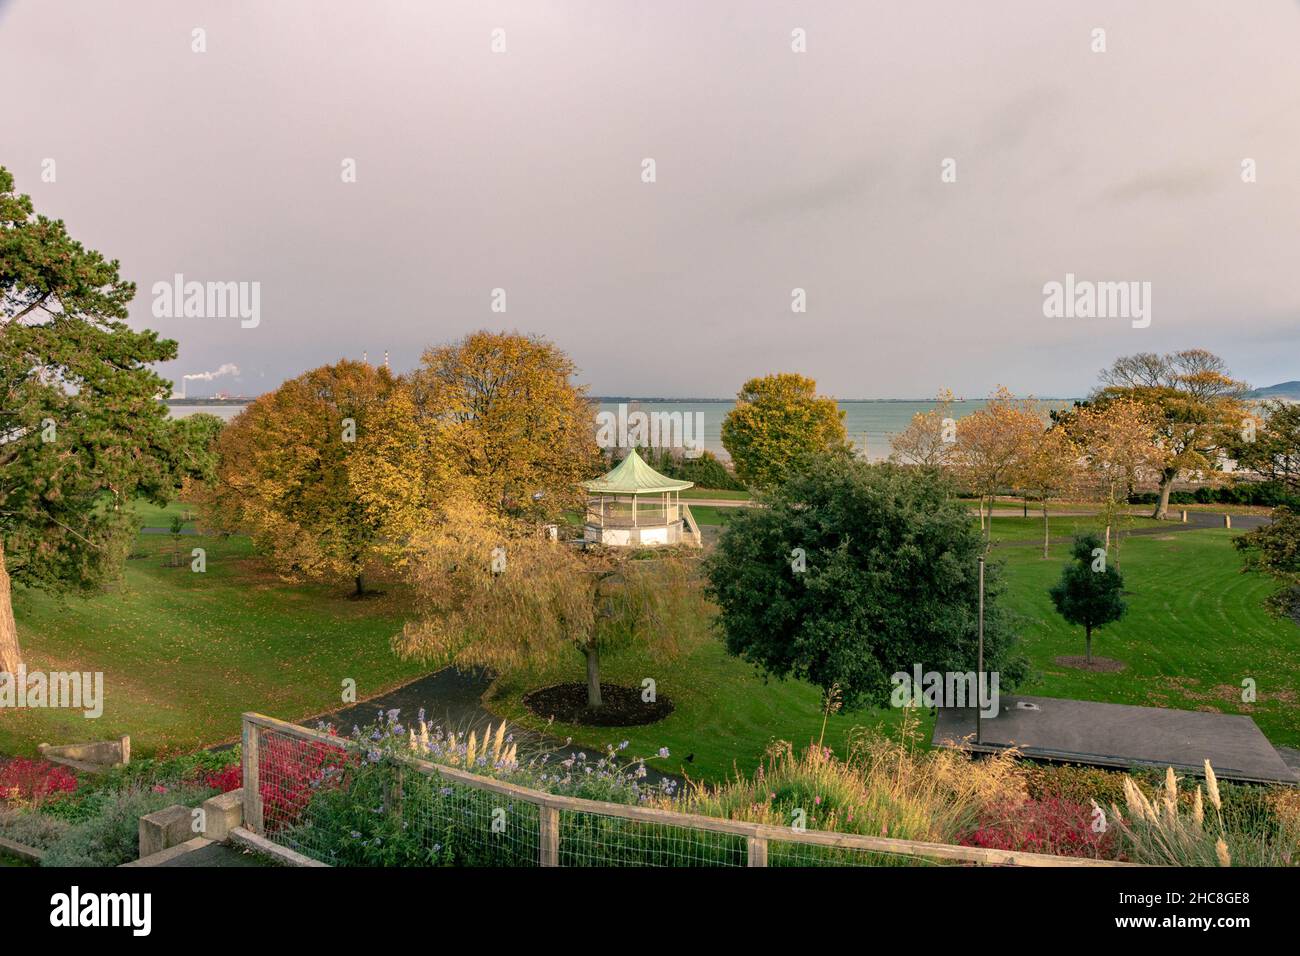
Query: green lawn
1063, 527
711, 515
721, 494
725, 714
183, 654
152, 516
1194, 630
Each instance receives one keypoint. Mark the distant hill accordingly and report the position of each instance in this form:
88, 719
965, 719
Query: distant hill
1287, 390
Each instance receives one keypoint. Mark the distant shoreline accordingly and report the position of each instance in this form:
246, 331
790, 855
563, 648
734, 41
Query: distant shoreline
615, 399
209, 401
657, 400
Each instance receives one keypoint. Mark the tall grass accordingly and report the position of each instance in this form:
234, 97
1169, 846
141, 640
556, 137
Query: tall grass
884, 787
1172, 828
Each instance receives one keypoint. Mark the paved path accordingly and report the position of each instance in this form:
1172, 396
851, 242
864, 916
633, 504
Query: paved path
1120, 735
217, 855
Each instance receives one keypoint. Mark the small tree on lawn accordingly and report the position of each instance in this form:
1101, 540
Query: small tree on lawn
1119, 449
993, 445
930, 438
1049, 470
853, 572
1090, 592
496, 593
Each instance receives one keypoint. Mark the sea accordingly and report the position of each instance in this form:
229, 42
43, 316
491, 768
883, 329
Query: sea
869, 422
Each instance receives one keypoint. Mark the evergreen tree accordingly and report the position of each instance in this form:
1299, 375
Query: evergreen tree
1090, 592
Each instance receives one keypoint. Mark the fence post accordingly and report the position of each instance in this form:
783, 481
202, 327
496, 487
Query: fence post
757, 850
252, 792
548, 832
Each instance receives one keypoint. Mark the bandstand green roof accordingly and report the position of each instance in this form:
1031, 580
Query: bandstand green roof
632, 476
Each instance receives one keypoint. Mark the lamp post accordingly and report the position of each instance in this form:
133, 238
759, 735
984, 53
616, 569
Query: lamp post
979, 673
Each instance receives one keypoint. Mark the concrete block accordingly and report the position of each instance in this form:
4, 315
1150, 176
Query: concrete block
165, 828
90, 757
223, 813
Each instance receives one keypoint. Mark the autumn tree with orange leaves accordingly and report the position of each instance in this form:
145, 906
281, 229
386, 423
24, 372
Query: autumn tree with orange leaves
993, 444
930, 437
1118, 450
1049, 471
283, 476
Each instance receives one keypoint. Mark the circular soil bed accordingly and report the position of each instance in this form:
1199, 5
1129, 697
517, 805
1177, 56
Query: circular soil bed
622, 706
1099, 664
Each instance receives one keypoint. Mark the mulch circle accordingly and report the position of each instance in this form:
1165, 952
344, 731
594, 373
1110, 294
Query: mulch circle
621, 706
1100, 664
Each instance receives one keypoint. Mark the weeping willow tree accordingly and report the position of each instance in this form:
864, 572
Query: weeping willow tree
497, 594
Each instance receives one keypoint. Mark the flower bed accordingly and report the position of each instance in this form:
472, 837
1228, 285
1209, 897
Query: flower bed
32, 782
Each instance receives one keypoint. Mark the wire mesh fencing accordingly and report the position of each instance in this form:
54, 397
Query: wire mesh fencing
600, 839
337, 803
333, 800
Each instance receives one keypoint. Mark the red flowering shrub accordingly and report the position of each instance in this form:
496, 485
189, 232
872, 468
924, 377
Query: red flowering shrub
291, 771
1051, 825
225, 779
32, 781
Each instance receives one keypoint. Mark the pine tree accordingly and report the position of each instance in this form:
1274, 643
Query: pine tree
1090, 592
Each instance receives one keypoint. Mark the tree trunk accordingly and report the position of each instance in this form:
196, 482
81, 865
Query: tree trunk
1087, 643
1166, 486
10, 657
1047, 530
593, 678
360, 590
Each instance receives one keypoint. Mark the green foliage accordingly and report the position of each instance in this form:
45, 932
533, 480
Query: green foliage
1090, 593
1081, 784
1268, 494
434, 824
778, 426
1274, 549
1274, 450
111, 835
31, 828
891, 581
101, 790
705, 470
86, 432
379, 810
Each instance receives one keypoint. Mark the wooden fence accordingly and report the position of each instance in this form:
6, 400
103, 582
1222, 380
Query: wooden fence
758, 838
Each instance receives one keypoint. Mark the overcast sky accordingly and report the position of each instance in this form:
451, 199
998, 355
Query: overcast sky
774, 170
